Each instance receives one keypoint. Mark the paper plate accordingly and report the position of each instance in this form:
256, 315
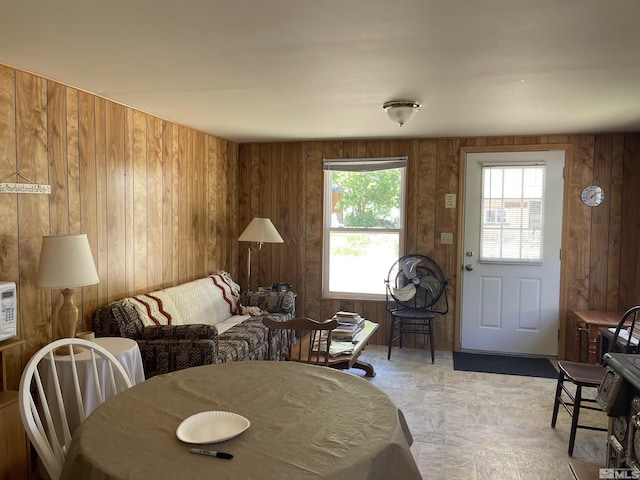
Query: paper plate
211, 427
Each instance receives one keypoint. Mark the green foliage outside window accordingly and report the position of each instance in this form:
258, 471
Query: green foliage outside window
371, 199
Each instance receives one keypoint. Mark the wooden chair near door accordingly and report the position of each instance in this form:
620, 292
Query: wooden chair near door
312, 344
585, 375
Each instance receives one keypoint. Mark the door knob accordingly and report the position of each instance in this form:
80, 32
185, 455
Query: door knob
468, 267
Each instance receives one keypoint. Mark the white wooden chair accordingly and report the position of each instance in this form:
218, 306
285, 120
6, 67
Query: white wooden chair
50, 389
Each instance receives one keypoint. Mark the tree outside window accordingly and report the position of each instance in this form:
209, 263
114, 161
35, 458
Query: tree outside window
369, 199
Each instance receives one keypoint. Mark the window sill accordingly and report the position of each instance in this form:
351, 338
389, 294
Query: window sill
366, 297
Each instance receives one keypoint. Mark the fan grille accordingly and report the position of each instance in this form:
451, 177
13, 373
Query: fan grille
416, 282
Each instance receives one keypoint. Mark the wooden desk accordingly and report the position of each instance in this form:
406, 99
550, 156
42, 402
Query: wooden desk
306, 422
590, 321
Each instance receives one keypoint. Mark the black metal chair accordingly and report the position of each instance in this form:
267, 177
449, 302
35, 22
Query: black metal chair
413, 289
410, 321
586, 375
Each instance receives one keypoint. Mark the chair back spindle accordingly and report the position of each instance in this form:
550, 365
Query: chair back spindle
53, 384
630, 343
300, 340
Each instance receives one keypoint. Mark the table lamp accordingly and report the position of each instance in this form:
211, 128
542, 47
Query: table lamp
66, 262
261, 231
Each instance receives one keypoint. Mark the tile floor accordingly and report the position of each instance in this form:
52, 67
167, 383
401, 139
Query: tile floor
480, 426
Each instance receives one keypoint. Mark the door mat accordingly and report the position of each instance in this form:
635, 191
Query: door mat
504, 364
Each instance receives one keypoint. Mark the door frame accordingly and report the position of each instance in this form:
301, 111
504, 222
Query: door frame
568, 162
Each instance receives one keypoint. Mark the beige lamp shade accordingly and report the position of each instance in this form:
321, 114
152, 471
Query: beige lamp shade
260, 230
66, 262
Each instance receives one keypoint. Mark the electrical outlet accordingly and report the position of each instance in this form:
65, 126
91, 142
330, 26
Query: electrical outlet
446, 238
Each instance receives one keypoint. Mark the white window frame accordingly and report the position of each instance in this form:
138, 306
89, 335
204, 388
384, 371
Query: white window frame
348, 164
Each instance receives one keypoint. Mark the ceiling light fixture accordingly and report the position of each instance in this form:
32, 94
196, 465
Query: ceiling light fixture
401, 111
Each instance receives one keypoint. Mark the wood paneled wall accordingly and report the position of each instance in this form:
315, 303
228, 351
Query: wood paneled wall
601, 263
163, 204
157, 200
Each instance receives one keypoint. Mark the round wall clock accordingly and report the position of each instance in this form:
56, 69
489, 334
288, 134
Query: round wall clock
592, 195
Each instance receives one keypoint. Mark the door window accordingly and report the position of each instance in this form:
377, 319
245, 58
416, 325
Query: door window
512, 213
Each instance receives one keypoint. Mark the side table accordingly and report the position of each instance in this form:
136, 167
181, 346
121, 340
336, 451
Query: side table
590, 321
128, 354
125, 350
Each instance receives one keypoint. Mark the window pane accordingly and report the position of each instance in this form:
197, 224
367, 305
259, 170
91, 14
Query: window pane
360, 261
366, 199
512, 213
490, 242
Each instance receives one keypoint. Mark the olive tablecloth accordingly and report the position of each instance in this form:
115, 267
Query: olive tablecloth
307, 422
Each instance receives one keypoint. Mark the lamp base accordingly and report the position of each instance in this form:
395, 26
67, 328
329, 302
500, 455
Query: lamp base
64, 351
68, 314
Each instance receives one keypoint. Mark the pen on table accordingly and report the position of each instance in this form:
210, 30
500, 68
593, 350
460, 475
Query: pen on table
211, 453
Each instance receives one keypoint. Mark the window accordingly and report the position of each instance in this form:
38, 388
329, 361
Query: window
363, 225
512, 203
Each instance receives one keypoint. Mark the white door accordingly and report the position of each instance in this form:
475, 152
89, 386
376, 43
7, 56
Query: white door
512, 240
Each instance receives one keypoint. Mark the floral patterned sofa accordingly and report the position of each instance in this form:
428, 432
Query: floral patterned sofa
200, 322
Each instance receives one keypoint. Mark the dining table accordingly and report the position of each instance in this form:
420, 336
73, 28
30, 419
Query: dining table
304, 422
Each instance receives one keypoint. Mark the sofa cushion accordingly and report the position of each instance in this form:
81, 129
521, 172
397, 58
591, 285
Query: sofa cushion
231, 322
166, 356
273, 302
180, 332
241, 340
246, 341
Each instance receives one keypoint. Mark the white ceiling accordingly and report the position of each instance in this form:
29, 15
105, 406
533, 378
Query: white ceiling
257, 70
